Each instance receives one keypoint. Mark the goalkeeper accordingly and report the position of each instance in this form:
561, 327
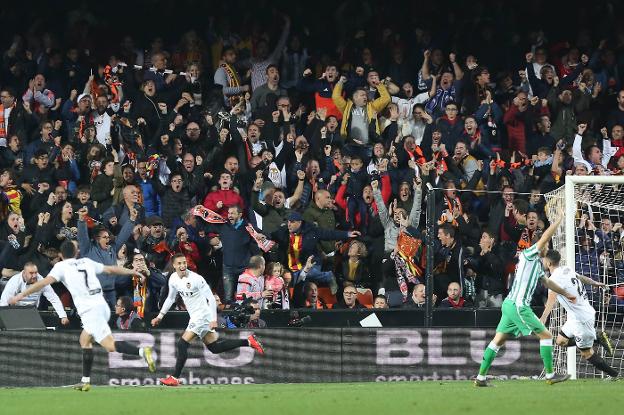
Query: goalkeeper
518, 318
578, 330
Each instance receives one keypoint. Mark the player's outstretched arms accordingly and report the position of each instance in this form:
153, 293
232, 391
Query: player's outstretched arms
588, 281
38, 286
117, 270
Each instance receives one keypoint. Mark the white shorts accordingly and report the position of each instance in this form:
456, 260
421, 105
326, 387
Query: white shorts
200, 327
95, 321
583, 333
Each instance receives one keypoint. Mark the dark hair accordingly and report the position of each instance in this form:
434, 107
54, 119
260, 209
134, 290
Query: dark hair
490, 233
380, 297
521, 205
553, 256
448, 229
9, 91
227, 49
68, 250
176, 256
271, 66
126, 303
237, 207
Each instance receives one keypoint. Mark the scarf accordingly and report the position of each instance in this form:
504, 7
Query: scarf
403, 274
139, 295
3, 122
440, 99
233, 79
295, 244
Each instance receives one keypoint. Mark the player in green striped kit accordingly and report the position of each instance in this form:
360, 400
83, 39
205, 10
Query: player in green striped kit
518, 319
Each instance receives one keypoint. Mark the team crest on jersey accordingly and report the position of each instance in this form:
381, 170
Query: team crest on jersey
188, 285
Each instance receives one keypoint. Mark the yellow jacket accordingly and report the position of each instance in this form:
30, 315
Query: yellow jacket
372, 108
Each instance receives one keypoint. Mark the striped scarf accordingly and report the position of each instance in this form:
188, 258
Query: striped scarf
440, 99
233, 79
3, 123
294, 249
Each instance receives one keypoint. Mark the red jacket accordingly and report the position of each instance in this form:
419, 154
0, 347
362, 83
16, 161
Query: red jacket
386, 191
228, 197
516, 122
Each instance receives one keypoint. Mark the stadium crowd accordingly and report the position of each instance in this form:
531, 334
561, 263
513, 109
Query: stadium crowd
247, 138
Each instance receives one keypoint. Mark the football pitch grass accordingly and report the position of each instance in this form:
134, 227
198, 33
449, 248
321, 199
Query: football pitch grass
456, 397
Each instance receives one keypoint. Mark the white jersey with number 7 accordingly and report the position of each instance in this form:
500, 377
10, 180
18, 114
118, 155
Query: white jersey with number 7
80, 278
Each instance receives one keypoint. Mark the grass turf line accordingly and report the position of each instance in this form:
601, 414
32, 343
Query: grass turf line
508, 397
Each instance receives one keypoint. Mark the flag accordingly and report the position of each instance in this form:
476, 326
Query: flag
265, 244
207, 214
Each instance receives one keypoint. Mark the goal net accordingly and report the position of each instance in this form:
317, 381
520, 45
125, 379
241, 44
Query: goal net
591, 240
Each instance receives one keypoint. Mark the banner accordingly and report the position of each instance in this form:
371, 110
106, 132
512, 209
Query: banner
292, 356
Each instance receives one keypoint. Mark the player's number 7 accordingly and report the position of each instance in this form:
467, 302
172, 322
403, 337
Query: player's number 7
82, 271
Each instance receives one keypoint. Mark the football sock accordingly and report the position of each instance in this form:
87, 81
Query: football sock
181, 356
600, 364
221, 346
488, 357
87, 364
126, 348
546, 350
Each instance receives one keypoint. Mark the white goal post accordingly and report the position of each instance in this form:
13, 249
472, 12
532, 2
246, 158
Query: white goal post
595, 196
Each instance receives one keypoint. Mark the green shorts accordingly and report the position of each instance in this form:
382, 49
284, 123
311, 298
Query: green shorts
518, 320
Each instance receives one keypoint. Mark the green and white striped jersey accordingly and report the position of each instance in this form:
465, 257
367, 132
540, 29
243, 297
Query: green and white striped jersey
528, 272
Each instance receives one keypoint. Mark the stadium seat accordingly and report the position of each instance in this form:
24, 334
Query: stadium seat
325, 294
365, 297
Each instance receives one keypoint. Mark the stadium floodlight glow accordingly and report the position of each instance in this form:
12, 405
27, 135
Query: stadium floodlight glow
599, 198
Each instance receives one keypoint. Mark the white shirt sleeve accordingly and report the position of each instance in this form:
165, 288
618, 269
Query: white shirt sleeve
57, 272
10, 289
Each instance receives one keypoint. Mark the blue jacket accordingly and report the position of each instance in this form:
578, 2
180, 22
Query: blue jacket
151, 200
93, 251
238, 245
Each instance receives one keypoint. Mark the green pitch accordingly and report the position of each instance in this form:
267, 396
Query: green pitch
440, 398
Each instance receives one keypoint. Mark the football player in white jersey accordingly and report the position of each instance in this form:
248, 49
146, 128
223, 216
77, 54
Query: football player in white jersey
579, 329
202, 308
80, 278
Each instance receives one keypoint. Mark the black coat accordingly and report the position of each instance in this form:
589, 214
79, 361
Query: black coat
311, 235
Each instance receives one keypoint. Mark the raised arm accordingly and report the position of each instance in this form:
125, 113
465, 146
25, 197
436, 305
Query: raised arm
545, 239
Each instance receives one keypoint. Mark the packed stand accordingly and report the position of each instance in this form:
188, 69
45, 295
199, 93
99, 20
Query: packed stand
233, 146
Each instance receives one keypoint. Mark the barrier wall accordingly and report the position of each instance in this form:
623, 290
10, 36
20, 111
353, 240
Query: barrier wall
292, 355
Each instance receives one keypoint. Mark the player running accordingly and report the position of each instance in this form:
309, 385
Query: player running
80, 278
579, 329
202, 308
518, 318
